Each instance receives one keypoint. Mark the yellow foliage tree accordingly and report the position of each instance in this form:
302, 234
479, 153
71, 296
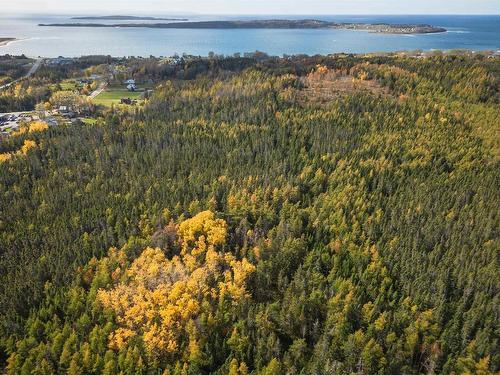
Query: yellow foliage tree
4, 157
27, 146
158, 298
38, 126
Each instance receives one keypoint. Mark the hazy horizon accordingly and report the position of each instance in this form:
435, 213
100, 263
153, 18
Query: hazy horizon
162, 14
256, 7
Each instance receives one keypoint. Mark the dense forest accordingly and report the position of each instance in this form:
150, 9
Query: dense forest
300, 215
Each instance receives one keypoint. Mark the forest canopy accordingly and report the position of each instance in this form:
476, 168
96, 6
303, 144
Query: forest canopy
303, 215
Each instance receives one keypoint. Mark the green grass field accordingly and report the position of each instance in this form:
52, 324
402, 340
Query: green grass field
112, 95
88, 120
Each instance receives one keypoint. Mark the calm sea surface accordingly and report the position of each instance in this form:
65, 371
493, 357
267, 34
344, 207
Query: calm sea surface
470, 32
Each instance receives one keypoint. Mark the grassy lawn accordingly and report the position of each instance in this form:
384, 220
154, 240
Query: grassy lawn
113, 94
69, 85
89, 121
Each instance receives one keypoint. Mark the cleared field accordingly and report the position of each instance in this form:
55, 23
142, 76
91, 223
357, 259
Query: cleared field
113, 95
324, 85
70, 85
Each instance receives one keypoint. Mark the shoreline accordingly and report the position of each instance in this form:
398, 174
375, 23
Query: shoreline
409, 53
6, 41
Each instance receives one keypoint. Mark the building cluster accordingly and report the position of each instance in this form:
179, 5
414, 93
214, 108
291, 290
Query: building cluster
59, 61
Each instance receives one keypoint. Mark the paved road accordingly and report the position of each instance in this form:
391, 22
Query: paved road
34, 68
97, 91
32, 71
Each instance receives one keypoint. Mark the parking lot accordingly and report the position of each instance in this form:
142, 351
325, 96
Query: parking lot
10, 121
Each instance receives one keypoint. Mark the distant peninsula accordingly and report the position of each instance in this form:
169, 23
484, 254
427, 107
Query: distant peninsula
272, 24
127, 18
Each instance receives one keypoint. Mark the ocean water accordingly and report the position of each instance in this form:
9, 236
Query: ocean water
464, 32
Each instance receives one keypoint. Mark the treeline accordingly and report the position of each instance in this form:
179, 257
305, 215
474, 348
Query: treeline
231, 228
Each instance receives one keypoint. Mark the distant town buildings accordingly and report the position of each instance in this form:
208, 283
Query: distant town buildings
59, 61
494, 54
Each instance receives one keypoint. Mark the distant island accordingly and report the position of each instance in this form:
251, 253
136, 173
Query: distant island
5, 41
127, 18
272, 24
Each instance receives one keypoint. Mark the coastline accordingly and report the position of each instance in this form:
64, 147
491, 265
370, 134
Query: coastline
6, 41
407, 53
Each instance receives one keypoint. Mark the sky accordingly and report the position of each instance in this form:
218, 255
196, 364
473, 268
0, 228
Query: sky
154, 7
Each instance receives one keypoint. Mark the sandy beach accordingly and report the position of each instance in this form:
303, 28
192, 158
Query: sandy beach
6, 41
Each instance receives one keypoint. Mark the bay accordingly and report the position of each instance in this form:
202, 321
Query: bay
464, 32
